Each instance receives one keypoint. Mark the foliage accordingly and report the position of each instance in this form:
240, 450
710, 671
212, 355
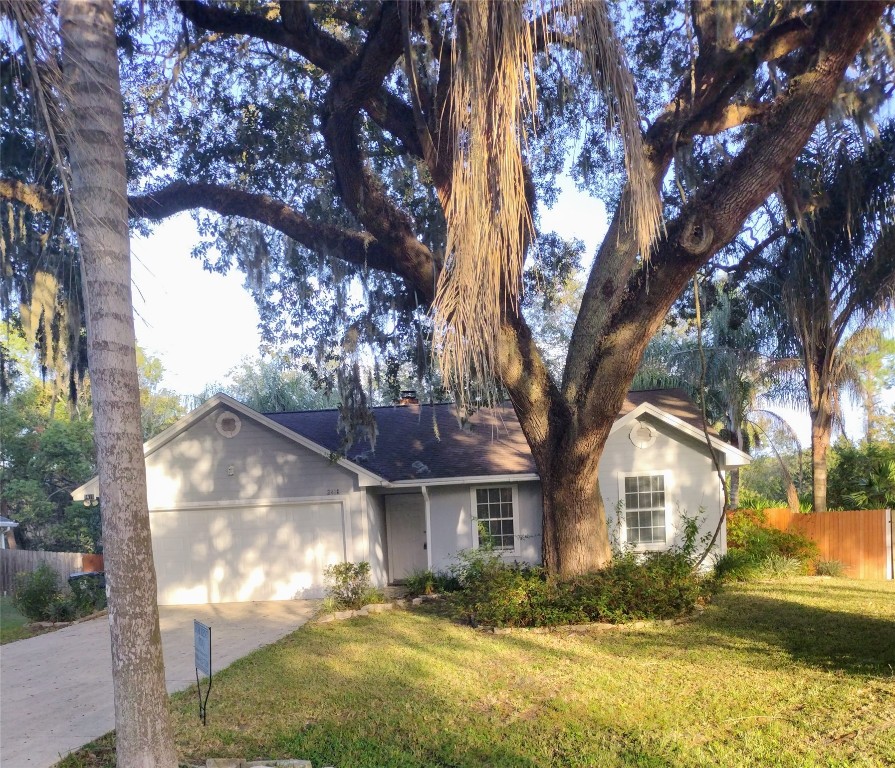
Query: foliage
829, 568
41, 596
657, 585
830, 279
756, 550
862, 476
36, 593
430, 583
348, 585
45, 455
159, 407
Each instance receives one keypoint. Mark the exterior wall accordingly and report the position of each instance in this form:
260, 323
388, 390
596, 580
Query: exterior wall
195, 467
694, 488
377, 555
452, 525
201, 469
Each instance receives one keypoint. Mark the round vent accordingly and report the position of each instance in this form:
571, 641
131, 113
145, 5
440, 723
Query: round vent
228, 424
642, 435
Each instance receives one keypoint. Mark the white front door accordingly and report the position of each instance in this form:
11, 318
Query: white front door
405, 521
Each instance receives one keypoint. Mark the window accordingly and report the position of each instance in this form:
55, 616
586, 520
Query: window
645, 509
495, 516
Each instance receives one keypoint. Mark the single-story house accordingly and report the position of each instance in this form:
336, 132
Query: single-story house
250, 506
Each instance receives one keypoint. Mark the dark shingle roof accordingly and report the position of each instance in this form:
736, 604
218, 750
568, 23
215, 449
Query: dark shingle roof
426, 441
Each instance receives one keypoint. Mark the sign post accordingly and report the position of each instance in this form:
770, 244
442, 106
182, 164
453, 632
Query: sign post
202, 645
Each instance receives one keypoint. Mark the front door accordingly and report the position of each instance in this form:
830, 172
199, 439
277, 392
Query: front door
405, 521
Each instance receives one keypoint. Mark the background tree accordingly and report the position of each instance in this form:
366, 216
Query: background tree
95, 142
160, 407
269, 385
833, 275
324, 136
739, 378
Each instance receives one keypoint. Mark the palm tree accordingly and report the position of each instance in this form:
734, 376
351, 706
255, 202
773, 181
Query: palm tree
94, 131
737, 378
825, 285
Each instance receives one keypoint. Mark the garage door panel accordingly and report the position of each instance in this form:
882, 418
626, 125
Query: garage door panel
243, 554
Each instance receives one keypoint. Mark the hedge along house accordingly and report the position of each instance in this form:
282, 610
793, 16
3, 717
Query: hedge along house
249, 506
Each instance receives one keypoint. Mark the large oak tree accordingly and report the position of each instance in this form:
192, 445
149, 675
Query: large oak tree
321, 134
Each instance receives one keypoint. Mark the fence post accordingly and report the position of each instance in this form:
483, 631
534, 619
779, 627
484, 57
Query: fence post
890, 549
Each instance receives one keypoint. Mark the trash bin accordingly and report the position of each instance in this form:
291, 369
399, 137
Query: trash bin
89, 589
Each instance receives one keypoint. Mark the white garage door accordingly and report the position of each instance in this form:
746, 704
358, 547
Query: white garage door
239, 554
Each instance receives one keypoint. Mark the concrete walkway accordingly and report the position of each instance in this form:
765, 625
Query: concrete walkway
56, 689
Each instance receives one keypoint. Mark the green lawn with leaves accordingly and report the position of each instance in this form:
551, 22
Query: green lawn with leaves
12, 623
800, 673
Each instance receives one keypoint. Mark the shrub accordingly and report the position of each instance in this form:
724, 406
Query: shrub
829, 568
37, 594
753, 544
736, 565
656, 586
431, 583
781, 567
40, 596
88, 593
349, 585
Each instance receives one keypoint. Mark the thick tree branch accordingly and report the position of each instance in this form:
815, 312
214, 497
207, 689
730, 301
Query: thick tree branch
359, 248
361, 191
299, 33
713, 218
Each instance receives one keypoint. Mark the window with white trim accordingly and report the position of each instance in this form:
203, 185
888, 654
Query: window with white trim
645, 518
495, 516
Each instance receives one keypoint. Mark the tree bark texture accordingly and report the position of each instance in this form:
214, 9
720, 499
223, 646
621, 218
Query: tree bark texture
99, 189
821, 429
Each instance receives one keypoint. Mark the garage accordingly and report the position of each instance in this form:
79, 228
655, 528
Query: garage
225, 554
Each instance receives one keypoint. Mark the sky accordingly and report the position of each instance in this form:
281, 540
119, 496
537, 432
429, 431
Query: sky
202, 324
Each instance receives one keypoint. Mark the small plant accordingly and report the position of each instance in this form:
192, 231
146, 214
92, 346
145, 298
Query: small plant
349, 585
829, 568
37, 594
781, 567
431, 583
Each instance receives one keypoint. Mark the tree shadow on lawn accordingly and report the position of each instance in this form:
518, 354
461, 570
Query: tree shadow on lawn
820, 637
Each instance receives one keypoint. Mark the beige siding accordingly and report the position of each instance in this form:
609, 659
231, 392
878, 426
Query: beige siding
376, 540
196, 467
694, 485
451, 521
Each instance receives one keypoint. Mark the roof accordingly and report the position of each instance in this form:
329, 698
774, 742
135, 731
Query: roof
5, 522
416, 442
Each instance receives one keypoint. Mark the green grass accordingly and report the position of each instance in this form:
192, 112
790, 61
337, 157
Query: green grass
800, 673
12, 623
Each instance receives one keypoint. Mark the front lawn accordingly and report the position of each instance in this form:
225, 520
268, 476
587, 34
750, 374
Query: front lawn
773, 674
12, 623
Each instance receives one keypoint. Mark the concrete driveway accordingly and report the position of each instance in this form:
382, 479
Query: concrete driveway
56, 689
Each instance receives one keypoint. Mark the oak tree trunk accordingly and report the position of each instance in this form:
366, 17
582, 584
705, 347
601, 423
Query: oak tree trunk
576, 536
99, 190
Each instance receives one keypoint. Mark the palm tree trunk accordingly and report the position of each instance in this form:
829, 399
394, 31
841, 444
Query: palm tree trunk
821, 429
99, 189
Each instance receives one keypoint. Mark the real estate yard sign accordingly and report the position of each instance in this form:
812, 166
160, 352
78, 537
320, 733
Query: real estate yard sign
202, 645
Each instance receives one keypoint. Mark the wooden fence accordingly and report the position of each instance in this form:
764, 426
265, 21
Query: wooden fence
861, 540
13, 561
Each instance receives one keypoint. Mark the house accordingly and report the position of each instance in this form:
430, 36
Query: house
249, 506
7, 536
